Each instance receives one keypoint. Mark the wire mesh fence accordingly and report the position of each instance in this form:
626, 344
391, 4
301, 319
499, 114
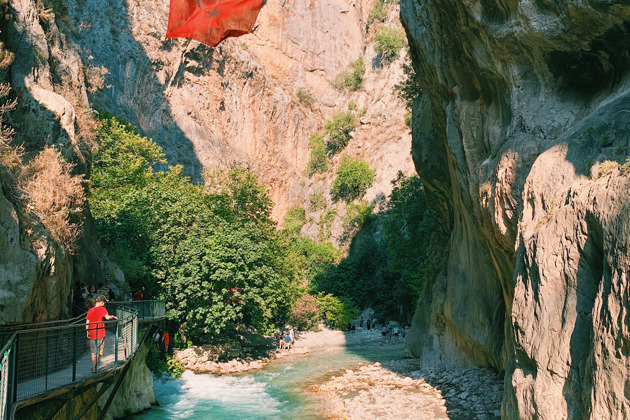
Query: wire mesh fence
147, 309
6, 373
37, 358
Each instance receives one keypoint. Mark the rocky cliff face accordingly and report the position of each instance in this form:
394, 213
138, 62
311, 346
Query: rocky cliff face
520, 134
37, 274
237, 103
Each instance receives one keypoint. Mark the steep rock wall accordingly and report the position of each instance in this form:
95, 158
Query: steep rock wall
238, 103
522, 105
37, 275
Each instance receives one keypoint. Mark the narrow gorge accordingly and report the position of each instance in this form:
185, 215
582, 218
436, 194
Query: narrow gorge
521, 135
514, 116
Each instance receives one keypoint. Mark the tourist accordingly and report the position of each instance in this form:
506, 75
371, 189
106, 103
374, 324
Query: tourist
96, 329
361, 323
384, 332
156, 339
110, 293
91, 297
396, 332
292, 334
369, 322
139, 295
166, 340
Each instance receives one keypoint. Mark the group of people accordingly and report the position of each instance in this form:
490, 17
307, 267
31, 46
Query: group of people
287, 339
393, 332
85, 296
161, 340
369, 324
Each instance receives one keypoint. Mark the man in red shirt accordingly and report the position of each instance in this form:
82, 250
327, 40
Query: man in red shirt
96, 329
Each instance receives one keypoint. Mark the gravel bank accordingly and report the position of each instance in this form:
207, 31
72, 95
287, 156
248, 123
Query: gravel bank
399, 389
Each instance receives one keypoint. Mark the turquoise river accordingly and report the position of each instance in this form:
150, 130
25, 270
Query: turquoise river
279, 391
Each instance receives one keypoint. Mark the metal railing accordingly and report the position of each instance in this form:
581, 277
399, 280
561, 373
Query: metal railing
41, 357
147, 309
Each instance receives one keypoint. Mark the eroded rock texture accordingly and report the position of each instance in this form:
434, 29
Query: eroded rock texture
522, 105
237, 103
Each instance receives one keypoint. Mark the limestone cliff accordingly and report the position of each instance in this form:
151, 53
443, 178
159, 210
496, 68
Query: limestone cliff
206, 107
37, 273
520, 134
238, 103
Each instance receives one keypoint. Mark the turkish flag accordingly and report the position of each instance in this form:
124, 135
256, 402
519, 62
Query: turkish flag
211, 21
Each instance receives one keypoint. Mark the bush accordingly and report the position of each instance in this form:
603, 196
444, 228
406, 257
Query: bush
317, 201
325, 224
337, 310
305, 97
318, 162
356, 215
305, 314
351, 78
378, 12
607, 167
160, 363
10, 155
354, 177
389, 42
408, 89
294, 220
55, 195
338, 131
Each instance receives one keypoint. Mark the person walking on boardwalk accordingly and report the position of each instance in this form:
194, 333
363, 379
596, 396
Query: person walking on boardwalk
96, 329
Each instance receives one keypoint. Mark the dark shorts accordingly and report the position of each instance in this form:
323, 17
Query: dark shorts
96, 346
384, 333
396, 334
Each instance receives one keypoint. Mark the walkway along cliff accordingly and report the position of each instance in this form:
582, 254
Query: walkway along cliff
521, 133
45, 368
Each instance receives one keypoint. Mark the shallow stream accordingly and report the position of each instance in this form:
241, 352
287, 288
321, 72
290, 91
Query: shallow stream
278, 391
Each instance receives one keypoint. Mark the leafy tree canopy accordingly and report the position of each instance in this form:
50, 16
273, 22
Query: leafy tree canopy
354, 177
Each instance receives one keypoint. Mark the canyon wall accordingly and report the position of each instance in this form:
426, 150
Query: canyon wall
521, 134
207, 107
238, 103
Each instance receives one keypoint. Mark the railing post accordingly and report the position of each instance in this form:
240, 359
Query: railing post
46, 364
14, 374
74, 354
116, 344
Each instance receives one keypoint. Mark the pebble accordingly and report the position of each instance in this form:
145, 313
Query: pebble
399, 389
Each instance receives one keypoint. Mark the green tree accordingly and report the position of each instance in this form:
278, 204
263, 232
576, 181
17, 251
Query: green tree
293, 221
338, 310
352, 77
119, 142
211, 251
389, 42
237, 195
338, 131
356, 215
354, 177
318, 162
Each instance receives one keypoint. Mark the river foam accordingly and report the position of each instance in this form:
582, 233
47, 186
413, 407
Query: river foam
206, 396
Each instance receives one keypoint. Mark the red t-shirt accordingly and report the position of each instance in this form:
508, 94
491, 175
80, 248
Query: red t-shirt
95, 315
166, 339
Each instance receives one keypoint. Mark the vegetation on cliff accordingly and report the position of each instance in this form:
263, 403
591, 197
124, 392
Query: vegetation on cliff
393, 253
210, 250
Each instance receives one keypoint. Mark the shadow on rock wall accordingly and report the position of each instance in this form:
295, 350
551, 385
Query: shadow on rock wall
105, 37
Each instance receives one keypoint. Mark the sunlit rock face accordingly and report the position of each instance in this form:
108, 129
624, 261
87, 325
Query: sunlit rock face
522, 105
207, 108
237, 103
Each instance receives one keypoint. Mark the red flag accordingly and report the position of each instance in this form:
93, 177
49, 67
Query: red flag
211, 21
